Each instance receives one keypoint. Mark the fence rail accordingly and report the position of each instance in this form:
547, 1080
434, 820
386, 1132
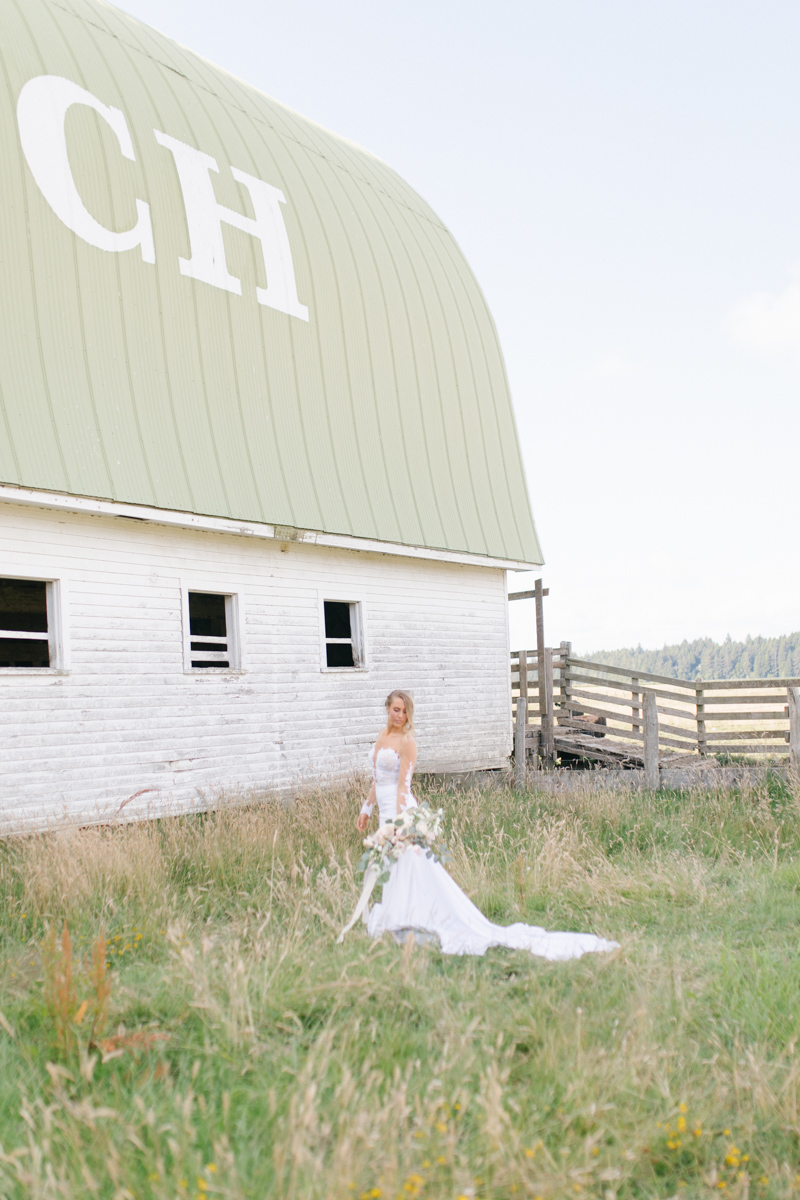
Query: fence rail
589, 710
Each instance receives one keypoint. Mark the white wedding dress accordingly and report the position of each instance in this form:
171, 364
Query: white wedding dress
421, 896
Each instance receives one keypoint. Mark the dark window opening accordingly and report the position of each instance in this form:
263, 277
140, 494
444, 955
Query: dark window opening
339, 654
340, 648
24, 635
337, 620
208, 630
19, 652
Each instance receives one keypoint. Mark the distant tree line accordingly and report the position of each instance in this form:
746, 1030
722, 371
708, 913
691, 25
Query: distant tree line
754, 658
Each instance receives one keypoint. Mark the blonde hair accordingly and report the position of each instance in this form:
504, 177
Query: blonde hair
399, 694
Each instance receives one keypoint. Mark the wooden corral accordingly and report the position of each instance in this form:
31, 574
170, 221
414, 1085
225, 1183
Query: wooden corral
578, 711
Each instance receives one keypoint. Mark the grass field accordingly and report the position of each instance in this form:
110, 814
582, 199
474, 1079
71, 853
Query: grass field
241, 1053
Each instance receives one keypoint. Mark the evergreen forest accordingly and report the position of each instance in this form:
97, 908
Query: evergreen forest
754, 658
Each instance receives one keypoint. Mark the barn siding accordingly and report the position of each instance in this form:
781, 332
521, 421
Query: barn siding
125, 717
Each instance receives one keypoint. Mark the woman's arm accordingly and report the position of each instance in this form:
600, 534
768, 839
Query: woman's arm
363, 816
408, 759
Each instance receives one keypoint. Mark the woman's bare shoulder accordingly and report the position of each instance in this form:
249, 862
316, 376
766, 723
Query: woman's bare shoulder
409, 745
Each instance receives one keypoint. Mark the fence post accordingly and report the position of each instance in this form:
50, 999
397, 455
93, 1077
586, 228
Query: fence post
636, 705
520, 764
547, 716
794, 728
650, 722
523, 673
538, 595
565, 687
700, 710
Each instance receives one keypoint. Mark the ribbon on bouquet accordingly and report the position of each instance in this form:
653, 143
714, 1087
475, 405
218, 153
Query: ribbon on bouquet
370, 879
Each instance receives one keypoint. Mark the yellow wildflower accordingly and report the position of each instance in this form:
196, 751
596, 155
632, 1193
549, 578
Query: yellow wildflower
682, 1108
530, 1153
681, 1124
202, 1186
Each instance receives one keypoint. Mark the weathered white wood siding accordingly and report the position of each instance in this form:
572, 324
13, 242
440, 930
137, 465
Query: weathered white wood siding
126, 718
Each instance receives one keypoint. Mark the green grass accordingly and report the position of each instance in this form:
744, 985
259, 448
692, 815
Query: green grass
252, 1057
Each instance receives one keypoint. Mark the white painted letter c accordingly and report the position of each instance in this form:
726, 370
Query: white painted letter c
41, 111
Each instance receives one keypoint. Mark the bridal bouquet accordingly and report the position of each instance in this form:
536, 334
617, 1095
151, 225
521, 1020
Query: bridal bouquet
418, 829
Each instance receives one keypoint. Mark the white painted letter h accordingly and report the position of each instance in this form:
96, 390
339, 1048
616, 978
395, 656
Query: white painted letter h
204, 217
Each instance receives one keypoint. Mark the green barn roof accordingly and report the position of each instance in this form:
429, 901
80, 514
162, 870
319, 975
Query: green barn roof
212, 305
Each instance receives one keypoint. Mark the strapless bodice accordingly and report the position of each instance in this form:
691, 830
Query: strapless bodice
386, 773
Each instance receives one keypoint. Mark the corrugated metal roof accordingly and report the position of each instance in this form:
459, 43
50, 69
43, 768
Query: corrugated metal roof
386, 414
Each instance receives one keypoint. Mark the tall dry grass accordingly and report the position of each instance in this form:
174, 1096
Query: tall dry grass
246, 1055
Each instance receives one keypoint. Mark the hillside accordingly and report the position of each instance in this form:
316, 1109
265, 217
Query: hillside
755, 658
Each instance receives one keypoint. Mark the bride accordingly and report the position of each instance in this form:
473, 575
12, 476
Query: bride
420, 895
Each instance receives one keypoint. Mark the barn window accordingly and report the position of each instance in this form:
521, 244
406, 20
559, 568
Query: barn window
343, 642
212, 642
28, 625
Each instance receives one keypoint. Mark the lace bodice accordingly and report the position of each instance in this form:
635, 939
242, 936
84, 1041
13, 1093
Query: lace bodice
386, 773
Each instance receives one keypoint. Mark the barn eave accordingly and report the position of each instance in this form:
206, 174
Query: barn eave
88, 505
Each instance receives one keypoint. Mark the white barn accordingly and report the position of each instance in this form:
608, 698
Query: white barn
258, 460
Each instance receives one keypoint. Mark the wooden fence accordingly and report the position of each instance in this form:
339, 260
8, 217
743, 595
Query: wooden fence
575, 708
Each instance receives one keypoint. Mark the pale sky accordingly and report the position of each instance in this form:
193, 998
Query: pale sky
624, 179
